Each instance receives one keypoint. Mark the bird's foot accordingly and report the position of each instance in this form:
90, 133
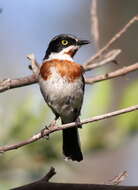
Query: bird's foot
52, 125
43, 133
78, 122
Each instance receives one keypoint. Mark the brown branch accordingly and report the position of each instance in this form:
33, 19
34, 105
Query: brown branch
114, 74
69, 125
72, 186
7, 84
44, 184
115, 38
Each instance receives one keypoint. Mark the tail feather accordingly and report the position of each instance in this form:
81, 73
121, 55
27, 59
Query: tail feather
71, 144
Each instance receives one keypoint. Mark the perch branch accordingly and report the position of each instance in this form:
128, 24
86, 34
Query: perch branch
73, 186
115, 38
65, 126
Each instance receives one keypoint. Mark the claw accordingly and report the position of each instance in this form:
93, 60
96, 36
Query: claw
42, 132
78, 122
52, 124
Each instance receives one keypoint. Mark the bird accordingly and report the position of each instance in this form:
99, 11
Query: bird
62, 85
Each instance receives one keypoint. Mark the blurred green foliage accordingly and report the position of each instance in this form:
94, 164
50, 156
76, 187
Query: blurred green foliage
128, 124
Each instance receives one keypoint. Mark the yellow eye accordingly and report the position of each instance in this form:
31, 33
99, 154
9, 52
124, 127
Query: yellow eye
64, 42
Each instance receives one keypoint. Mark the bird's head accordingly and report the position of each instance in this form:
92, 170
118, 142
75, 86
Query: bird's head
64, 46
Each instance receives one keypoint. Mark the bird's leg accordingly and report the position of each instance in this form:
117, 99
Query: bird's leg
78, 122
51, 125
42, 133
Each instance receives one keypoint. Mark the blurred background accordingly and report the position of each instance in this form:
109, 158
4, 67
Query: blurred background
109, 146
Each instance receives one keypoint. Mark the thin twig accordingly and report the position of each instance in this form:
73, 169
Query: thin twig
114, 74
95, 24
65, 126
117, 179
107, 58
34, 65
115, 38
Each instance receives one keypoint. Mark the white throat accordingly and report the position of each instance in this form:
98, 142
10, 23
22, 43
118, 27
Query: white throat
63, 54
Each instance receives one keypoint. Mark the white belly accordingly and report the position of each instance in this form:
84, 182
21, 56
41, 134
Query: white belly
61, 95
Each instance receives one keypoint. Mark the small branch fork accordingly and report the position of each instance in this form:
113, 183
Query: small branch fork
49, 175
44, 180
55, 128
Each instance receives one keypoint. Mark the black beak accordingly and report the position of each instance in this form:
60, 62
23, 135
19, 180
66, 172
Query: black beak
82, 42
